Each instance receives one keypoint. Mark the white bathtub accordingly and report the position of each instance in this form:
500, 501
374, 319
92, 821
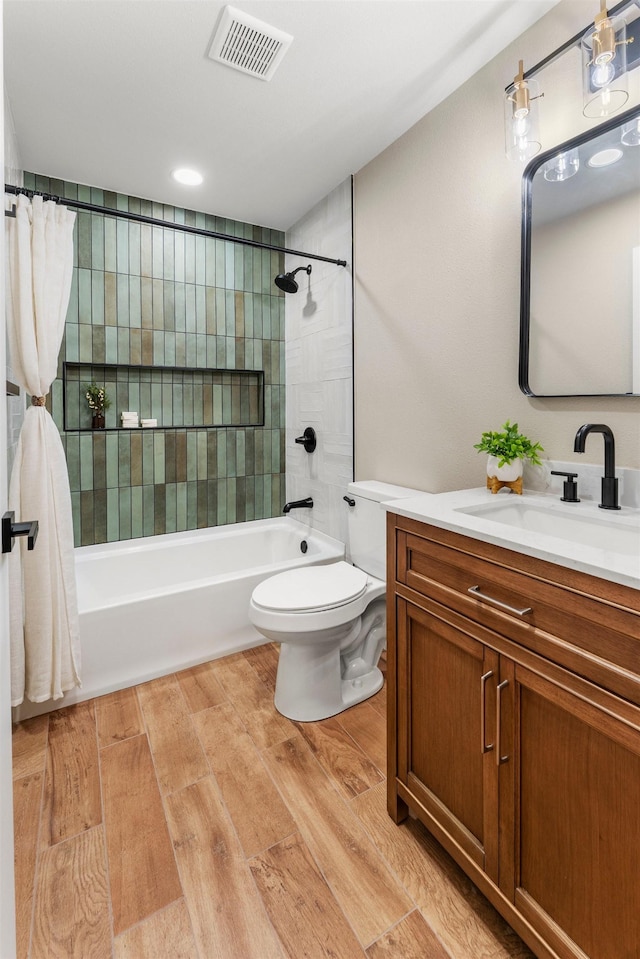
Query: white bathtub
156, 605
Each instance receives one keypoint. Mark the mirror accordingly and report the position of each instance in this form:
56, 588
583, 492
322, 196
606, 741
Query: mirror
580, 268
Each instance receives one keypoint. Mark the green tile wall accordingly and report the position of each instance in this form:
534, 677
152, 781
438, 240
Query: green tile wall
153, 297
174, 397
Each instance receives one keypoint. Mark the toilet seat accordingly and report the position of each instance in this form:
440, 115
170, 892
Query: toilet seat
311, 589
286, 620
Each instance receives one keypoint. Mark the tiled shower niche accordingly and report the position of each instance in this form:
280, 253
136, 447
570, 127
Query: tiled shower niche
174, 397
157, 299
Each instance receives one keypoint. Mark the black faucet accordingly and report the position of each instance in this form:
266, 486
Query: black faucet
609, 494
298, 504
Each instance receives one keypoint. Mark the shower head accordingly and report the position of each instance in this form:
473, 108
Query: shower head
286, 282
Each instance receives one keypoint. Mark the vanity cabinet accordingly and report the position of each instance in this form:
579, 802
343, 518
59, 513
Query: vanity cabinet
514, 733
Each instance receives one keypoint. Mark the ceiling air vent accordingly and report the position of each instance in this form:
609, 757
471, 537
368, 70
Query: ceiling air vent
248, 44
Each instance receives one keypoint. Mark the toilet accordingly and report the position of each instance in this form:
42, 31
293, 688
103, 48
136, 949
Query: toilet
330, 621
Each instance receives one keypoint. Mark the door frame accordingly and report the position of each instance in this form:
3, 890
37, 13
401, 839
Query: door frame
7, 882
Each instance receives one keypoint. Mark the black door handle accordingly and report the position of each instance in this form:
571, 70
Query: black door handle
10, 530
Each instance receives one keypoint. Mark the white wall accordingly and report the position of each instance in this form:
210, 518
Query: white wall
7, 911
437, 284
319, 363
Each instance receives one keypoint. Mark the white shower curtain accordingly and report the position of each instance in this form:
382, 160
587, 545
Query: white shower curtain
45, 647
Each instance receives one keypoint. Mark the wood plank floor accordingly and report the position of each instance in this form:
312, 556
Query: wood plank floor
187, 819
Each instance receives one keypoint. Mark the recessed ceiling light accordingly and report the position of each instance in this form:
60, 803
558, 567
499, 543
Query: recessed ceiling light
605, 157
187, 177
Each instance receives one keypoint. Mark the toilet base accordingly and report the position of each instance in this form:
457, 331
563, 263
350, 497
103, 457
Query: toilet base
309, 686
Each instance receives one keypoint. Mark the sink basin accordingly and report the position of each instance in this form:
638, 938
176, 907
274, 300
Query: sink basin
617, 533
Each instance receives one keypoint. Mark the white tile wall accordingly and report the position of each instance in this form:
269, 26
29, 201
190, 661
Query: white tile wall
319, 363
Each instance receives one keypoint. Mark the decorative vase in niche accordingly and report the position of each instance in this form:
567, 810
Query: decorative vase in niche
97, 421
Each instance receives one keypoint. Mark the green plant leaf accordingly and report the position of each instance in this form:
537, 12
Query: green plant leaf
508, 445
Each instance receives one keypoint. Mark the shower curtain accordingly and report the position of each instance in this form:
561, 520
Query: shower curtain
45, 648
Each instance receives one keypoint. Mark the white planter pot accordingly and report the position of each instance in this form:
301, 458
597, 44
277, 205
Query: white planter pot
507, 473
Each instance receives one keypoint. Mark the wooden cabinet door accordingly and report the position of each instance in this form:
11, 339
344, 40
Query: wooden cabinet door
577, 816
446, 729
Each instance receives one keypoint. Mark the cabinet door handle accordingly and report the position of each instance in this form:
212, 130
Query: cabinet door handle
485, 748
475, 591
499, 688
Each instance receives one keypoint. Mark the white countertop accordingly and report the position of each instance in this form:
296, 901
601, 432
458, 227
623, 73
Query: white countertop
446, 510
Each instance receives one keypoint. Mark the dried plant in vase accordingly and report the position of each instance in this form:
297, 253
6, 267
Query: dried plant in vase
98, 402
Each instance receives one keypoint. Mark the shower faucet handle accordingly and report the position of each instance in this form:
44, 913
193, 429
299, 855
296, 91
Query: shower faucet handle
308, 439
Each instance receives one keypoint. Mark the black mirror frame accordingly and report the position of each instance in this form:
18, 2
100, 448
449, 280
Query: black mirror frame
525, 247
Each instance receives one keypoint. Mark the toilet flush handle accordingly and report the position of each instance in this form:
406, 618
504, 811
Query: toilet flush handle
349, 500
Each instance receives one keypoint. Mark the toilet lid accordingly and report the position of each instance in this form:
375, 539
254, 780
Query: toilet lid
311, 588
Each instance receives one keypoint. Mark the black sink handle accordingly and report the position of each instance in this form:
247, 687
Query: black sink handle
570, 488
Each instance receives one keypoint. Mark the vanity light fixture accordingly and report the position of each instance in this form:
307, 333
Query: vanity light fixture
607, 58
562, 167
522, 140
604, 65
187, 177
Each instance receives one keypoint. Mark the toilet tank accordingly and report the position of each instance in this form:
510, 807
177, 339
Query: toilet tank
366, 543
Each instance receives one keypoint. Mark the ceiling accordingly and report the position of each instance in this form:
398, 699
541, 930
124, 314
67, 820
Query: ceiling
118, 93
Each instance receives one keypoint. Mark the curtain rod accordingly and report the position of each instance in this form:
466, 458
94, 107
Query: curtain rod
165, 224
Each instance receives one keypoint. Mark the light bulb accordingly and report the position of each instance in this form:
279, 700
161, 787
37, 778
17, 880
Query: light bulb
603, 73
604, 67
521, 118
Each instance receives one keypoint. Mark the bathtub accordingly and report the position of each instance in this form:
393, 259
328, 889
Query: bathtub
156, 605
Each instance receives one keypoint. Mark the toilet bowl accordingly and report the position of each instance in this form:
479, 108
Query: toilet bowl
330, 621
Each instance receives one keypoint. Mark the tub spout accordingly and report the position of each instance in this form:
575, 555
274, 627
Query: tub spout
298, 504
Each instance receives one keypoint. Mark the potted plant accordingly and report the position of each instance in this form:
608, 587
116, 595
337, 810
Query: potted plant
98, 402
507, 450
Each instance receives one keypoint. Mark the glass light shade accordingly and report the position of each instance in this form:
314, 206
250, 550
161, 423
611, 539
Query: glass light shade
631, 133
562, 167
604, 67
522, 139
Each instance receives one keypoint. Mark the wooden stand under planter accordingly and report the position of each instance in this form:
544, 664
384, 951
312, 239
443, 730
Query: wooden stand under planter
494, 484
